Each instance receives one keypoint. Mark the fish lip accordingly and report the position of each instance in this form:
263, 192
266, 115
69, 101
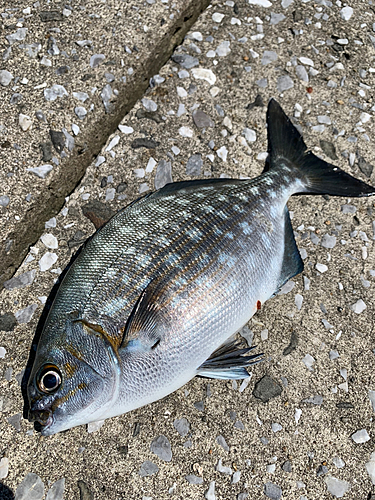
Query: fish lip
45, 427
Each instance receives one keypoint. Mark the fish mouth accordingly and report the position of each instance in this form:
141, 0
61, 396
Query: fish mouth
43, 418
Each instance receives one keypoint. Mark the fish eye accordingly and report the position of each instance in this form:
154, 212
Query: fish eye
49, 379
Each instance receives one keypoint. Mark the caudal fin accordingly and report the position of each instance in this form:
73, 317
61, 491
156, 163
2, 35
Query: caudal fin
285, 145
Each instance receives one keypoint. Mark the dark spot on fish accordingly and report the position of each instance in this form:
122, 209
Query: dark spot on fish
259, 305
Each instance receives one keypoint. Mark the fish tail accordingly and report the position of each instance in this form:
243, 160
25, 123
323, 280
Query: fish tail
286, 146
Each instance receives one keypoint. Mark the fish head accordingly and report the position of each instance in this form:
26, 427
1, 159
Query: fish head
74, 377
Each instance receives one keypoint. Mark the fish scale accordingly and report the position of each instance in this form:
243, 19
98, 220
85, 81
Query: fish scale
154, 295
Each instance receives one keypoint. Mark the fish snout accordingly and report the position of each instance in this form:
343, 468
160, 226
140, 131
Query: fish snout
43, 417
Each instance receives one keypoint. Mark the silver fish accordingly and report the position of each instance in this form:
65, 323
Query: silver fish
152, 298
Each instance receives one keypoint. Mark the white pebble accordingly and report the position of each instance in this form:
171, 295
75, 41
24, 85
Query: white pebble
125, 129
370, 467
298, 299
3, 351
358, 307
4, 467
25, 122
181, 92
297, 415
185, 132
217, 17
204, 74
371, 395
271, 468
264, 334
149, 105
322, 268
339, 462
249, 134
308, 360
139, 173
307, 61
175, 150
346, 13
276, 427
222, 153
210, 493
150, 165
261, 3
361, 436
336, 487
113, 143
47, 261
49, 240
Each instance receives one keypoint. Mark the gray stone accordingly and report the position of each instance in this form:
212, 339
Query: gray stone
7, 322
314, 400
194, 165
185, 60
284, 83
199, 405
84, 491
262, 83
202, 120
31, 488
25, 315
266, 389
149, 105
51, 15
328, 241
223, 469
52, 47
15, 421
162, 448
268, 57
4, 200
337, 487
192, 479
348, 209
364, 166
96, 59
81, 112
292, 344
287, 466
143, 142
46, 148
272, 491
242, 496
41, 171
5, 77
329, 149
163, 174
302, 73
221, 441
56, 492
276, 18
20, 281
40, 115
58, 140
81, 96
107, 96
51, 94
18, 36
182, 426
148, 469
210, 493
223, 49
69, 140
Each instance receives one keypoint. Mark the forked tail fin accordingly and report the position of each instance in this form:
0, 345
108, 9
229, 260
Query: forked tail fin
286, 146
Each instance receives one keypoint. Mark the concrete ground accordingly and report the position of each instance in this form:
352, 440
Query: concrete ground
306, 430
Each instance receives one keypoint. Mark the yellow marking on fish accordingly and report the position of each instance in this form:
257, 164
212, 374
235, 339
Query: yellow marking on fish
59, 401
69, 369
74, 352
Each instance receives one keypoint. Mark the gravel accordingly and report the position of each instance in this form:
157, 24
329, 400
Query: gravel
31, 488
162, 448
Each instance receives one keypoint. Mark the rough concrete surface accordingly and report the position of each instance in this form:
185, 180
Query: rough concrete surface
69, 75
298, 439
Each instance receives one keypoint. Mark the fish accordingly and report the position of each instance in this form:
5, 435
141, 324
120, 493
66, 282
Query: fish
153, 297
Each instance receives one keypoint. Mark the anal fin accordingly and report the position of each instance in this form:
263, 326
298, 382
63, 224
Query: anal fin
292, 261
228, 362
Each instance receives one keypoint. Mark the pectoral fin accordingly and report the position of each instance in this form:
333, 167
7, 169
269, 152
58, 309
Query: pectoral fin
228, 362
146, 322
